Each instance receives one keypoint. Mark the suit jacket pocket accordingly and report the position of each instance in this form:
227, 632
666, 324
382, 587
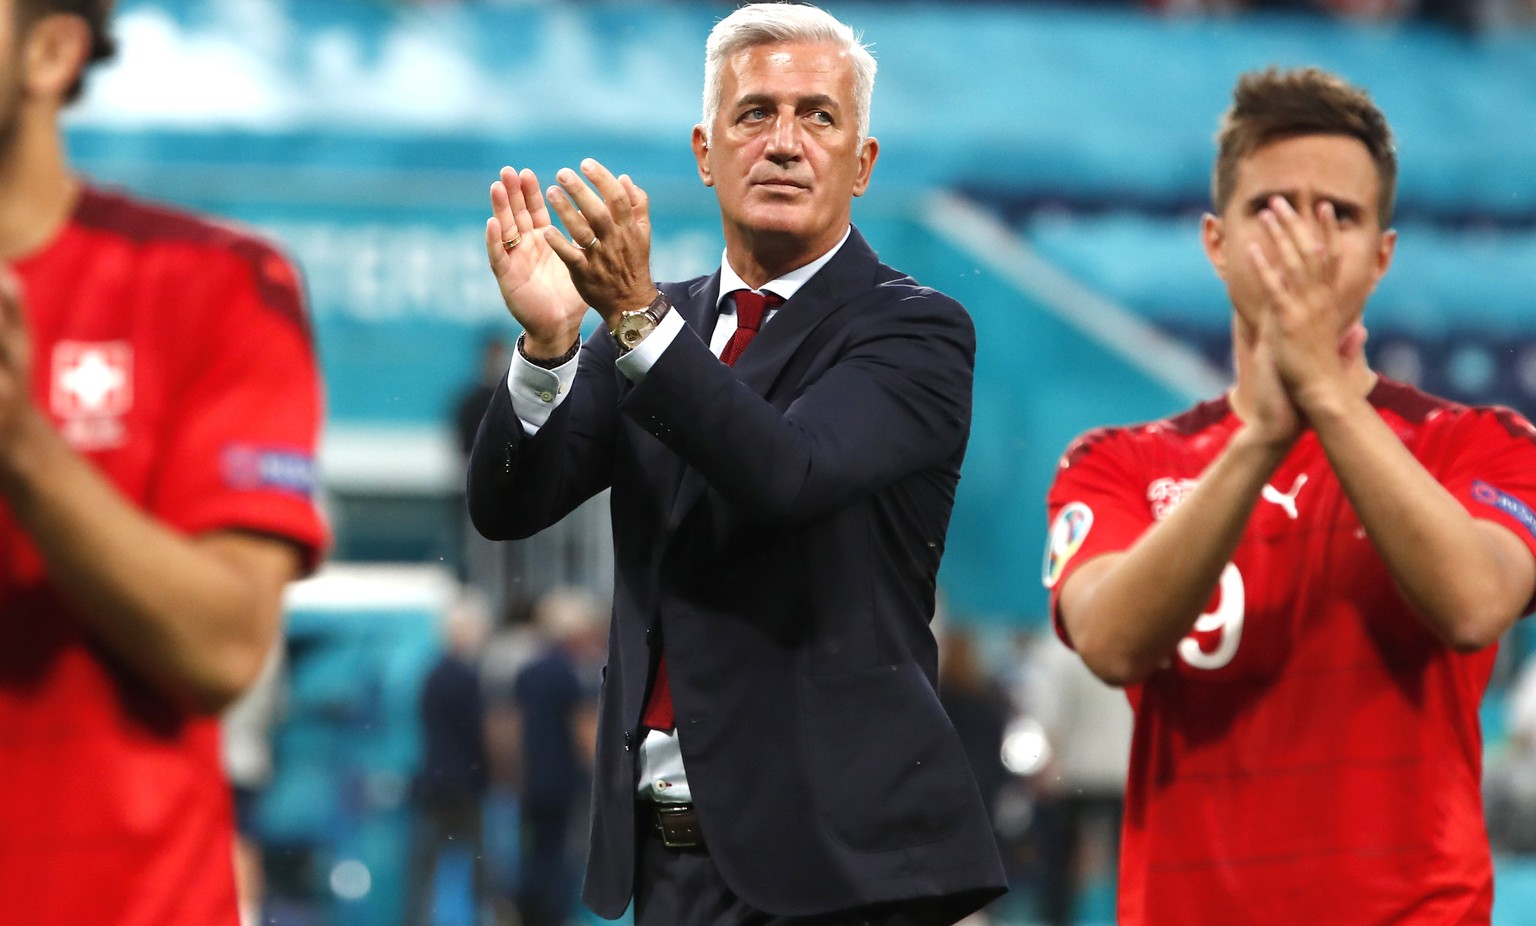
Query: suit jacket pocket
886, 768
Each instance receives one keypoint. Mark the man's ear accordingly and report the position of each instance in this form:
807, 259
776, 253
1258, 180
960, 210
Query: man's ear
57, 48
868, 152
701, 154
1385, 248
1212, 236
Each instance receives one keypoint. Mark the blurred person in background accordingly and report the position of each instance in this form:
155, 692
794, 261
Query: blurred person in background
472, 401
771, 746
159, 407
979, 708
246, 747
555, 698
1088, 726
514, 643
481, 562
1300, 583
1509, 786
450, 785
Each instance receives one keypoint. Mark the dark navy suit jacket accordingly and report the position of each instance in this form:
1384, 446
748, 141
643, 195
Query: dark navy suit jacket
777, 526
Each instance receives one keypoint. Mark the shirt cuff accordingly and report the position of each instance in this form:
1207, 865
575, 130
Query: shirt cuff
639, 361
537, 392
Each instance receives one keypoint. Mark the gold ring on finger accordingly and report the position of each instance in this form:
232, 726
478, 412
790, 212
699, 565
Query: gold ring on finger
507, 244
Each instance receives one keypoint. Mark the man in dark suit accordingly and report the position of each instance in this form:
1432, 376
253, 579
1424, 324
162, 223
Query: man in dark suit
770, 749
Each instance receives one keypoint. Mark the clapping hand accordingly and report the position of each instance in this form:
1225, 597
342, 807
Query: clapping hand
535, 283
609, 251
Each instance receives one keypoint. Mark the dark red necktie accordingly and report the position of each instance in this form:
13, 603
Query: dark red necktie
750, 309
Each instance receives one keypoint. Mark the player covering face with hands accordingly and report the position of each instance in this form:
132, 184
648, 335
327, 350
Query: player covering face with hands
1300, 583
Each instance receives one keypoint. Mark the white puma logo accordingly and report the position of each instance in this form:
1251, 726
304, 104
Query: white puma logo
1286, 500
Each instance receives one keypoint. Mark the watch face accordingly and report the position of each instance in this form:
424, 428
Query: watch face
634, 328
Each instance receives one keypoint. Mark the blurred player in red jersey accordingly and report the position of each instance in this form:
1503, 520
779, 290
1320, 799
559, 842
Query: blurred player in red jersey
158, 412
1300, 583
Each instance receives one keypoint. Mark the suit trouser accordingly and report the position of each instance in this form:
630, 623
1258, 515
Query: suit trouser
682, 887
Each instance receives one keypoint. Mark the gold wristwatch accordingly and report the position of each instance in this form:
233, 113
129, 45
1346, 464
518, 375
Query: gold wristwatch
633, 327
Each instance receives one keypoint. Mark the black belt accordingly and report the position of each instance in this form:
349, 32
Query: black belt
676, 824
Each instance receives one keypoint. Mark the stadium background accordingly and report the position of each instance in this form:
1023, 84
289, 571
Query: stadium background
1045, 165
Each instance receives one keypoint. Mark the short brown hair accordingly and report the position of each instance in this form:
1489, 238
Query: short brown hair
1273, 105
96, 13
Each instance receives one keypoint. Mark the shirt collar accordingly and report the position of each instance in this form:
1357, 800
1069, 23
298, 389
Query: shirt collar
784, 287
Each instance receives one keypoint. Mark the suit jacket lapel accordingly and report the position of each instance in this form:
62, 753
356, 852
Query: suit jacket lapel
700, 308
848, 274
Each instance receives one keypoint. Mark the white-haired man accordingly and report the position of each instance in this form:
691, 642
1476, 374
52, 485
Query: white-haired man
771, 749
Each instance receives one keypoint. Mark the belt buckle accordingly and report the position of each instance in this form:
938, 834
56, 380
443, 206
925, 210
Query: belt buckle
678, 825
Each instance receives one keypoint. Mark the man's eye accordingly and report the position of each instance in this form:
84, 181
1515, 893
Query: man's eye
754, 115
821, 117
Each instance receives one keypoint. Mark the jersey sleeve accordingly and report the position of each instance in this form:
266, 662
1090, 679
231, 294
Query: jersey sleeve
240, 452
1096, 505
1487, 461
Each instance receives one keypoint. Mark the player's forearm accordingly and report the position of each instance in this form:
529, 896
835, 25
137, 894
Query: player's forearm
1458, 577
1126, 617
195, 617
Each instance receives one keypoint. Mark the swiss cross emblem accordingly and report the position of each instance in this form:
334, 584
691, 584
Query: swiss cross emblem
92, 378
92, 388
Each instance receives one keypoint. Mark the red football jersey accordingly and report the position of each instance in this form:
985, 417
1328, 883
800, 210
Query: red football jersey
1311, 753
175, 356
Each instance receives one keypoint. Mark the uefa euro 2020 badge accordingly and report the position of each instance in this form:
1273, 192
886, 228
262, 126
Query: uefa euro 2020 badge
1068, 532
